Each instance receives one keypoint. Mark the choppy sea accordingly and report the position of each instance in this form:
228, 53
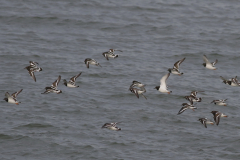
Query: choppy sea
153, 35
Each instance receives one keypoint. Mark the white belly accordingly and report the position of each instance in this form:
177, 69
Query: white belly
209, 66
11, 100
71, 86
221, 103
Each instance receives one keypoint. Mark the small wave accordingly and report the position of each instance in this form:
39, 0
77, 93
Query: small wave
116, 143
4, 136
37, 125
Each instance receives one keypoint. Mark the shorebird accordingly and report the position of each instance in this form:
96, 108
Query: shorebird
232, 82
109, 55
205, 121
209, 65
53, 87
33, 68
187, 106
163, 86
217, 115
12, 98
112, 126
220, 102
194, 93
138, 92
193, 97
137, 84
175, 69
71, 82
88, 61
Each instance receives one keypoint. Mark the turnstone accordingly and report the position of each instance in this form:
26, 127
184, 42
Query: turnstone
138, 92
192, 98
137, 84
12, 98
163, 86
194, 93
175, 69
53, 87
33, 68
217, 115
220, 102
109, 55
112, 126
232, 82
235, 82
33, 64
209, 65
229, 82
91, 61
187, 106
205, 121
71, 83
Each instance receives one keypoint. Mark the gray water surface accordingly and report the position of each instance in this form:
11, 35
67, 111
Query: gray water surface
153, 35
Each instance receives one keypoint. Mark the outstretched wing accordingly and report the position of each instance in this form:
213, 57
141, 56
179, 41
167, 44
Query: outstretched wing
205, 59
31, 73
235, 80
33, 64
14, 95
7, 95
163, 80
194, 93
55, 83
177, 64
217, 117
73, 79
86, 61
105, 54
203, 121
134, 90
223, 78
182, 110
213, 63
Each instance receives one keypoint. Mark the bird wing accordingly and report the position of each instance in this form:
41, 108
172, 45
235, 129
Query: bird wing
177, 64
194, 93
73, 79
223, 78
163, 80
31, 73
217, 117
204, 123
214, 101
14, 95
55, 83
213, 63
7, 95
205, 59
134, 90
33, 64
105, 55
234, 80
182, 110
87, 62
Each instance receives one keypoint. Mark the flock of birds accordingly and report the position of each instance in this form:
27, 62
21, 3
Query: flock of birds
33, 67
193, 96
